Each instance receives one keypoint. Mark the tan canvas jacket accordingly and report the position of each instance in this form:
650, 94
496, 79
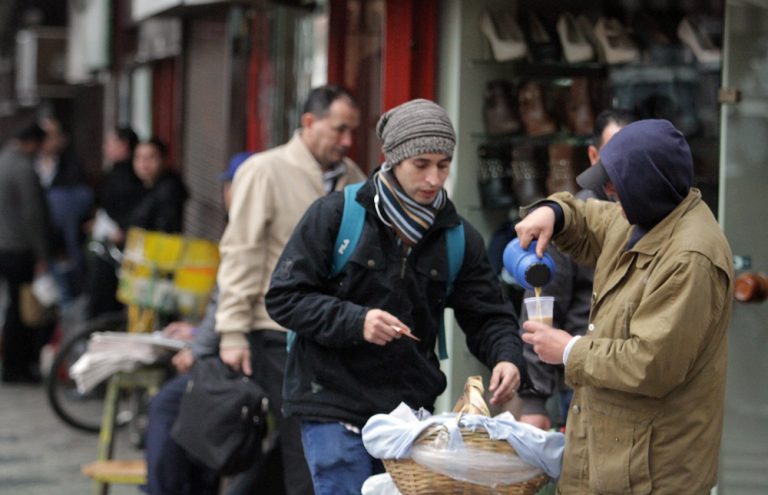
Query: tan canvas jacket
650, 373
270, 193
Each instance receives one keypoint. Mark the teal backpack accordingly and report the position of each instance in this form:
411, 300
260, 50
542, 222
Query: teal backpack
352, 222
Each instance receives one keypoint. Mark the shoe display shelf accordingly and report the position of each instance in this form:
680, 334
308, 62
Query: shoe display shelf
544, 70
549, 68
537, 122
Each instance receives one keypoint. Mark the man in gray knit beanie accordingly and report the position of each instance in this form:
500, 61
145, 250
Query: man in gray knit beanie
367, 331
415, 127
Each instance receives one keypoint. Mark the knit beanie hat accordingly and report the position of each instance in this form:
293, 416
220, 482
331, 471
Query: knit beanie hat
415, 127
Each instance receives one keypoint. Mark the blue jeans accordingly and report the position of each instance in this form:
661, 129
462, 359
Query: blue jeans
337, 459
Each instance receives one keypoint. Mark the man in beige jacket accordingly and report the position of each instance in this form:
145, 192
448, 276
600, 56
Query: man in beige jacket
270, 193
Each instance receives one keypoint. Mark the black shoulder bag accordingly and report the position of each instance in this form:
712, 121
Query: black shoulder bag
222, 417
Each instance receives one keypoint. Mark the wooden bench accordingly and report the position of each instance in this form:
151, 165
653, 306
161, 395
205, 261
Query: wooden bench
132, 472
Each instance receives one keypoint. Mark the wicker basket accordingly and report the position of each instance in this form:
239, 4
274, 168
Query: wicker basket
412, 478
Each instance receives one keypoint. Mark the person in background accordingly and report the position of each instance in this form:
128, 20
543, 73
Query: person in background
55, 164
365, 338
162, 206
24, 249
271, 192
120, 188
170, 471
70, 201
118, 193
649, 375
572, 290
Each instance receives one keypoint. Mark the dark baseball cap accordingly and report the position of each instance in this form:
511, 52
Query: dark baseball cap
595, 177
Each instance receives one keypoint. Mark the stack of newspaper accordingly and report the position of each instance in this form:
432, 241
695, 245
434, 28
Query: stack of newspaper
110, 352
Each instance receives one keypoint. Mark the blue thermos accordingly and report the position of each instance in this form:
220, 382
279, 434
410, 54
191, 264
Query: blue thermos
525, 267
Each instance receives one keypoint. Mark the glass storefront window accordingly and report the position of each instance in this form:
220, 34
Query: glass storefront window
289, 56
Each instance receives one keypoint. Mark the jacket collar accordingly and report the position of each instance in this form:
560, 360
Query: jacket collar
447, 217
300, 155
649, 244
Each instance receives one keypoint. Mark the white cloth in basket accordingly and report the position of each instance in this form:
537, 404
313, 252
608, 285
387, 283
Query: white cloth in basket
391, 436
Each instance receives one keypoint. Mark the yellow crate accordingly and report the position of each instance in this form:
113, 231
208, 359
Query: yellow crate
167, 272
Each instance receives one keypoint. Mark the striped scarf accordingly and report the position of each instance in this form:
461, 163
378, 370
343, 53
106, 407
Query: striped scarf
409, 219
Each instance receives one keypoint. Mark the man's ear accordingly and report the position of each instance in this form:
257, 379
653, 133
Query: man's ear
307, 119
593, 154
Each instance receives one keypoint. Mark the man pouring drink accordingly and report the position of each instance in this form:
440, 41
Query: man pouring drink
649, 375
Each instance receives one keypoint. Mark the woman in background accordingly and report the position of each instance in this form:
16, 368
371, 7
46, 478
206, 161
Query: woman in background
162, 206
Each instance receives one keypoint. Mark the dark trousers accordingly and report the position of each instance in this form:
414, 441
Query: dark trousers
21, 344
101, 287
170, 471
268, 356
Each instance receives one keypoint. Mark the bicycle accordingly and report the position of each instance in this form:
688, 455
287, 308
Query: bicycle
82, 410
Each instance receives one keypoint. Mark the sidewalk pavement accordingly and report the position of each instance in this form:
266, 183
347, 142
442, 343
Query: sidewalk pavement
40, 455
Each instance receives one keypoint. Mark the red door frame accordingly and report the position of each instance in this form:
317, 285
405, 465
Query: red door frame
165, 106
337, 41
258, 72
410, 49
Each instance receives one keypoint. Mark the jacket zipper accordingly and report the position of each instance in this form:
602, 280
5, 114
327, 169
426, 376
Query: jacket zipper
402, 268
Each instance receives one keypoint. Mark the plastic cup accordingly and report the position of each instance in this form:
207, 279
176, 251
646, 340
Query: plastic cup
540, 308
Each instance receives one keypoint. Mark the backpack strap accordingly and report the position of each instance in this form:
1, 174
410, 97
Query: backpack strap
454, 241
352, 222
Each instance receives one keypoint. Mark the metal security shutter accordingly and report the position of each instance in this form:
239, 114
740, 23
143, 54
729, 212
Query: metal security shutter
205, 125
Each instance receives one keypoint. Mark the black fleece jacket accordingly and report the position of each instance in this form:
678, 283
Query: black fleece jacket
332, 374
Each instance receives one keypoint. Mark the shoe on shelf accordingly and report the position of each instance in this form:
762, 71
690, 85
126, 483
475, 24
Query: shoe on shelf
587, 28
578, 108
561, 176
499, 108
526, 180
614, 42
702, 47
542, 44
494, 177
504, 36
533, 114
576, 46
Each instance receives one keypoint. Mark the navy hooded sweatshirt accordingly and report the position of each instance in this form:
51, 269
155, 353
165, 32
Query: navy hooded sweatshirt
650, 164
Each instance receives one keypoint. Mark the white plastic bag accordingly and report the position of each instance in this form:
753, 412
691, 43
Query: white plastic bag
481, 467
45, 290
380, 484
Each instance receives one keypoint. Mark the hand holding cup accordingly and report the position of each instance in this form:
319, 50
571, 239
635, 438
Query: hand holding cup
548, 342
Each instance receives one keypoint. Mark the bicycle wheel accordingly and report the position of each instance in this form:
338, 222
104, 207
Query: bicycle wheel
83, 410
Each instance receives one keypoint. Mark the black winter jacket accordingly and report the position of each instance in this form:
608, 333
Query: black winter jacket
161, 207
332, 374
